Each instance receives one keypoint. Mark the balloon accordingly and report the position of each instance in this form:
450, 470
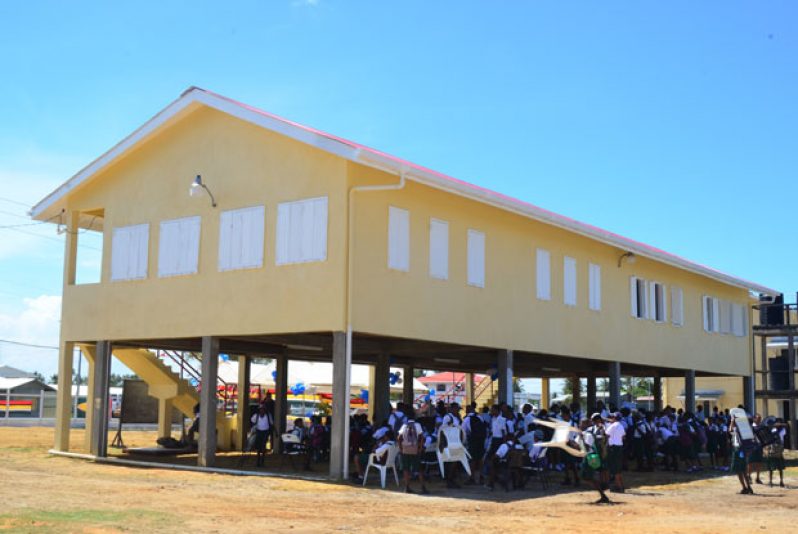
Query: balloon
364, 394
224, 357
393, 377
274, 374
494, 376
427, 398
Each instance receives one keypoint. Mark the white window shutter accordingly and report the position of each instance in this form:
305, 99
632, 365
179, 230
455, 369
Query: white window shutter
677, 306
633, 296
398, 239
476, 258
543, 274
241, 234
569, 281
715, 315
663, 297
178, 246
129, 252
439, 249
594, 286
301, 231
651, 304
705, 306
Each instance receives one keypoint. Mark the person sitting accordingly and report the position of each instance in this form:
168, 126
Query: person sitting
381, 448
499, 463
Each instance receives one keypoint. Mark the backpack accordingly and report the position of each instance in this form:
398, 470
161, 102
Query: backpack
398, 422
479, 430
409, 438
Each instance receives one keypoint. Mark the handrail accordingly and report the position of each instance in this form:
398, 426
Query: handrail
786, 310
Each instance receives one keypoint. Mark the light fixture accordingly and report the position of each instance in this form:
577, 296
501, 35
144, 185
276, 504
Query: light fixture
304, 347
196, 189
629, 256
446, 360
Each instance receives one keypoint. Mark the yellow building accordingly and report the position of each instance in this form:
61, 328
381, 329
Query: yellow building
309, 246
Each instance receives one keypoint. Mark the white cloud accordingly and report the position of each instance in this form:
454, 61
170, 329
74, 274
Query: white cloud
38, 324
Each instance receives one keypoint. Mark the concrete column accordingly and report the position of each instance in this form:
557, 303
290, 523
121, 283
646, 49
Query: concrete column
102, 376
90, 353
505, 359
372, 387
242, 413
340, 409
382, 389
657, 393
576, 388
165, 416
469, 388
407, 385
280, 399
545, 392
591, 394
689, 390
71, 249
63, 409
615, 384
206, 450
748, 394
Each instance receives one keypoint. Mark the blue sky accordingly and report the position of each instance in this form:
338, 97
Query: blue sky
672, 123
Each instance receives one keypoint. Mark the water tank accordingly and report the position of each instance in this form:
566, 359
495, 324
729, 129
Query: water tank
778, 373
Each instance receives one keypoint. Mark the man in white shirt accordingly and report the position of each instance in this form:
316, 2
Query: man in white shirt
262, 426
615, 436
498, 429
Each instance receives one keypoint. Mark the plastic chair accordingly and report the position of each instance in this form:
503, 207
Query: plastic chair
454, 451
292, 446
390, 463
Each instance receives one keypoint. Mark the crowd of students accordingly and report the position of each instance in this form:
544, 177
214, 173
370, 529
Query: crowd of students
503, 443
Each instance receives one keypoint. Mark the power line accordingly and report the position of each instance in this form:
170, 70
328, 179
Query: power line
17, 202
32, 345
14, 229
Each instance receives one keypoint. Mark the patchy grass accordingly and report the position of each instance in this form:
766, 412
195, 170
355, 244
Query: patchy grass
27, 520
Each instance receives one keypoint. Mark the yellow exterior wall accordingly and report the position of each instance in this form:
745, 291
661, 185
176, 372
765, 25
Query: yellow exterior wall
244, 165
506, 313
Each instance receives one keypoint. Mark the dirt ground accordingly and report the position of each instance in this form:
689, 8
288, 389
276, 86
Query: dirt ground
44, 493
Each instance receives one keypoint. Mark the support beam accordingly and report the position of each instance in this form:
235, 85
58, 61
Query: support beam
381, 396
102, 377
407, 384
242, 411
280, 399
505, 360
90, 352
545, 393
340, 407
689, 390
576, 389
657, 393
591, 394
206, 449
165, 417
763, 376
63, 410
615, 384
469, 388
749, 403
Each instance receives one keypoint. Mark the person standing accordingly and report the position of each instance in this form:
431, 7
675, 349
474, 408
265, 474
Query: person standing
615, 436
262, 425
411, 446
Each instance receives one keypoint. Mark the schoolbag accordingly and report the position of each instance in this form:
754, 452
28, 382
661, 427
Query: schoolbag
479, 430
409, 437
398, 422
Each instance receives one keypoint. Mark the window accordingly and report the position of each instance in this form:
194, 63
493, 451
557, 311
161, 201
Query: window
594, 286
739, 320
476, 258
569, 281
129, 252
711, 312
725, 316
441, 388
438, 249
241, 238
658, 305
677, 306
178, 246
543, 272
302, 231
398, 239
639, 300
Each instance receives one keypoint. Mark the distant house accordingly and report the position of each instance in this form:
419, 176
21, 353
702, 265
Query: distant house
21, 394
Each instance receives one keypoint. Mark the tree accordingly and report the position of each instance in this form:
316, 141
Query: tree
118, 380
54, 378
40, 377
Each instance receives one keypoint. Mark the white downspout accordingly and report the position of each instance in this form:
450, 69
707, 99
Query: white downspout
349, 271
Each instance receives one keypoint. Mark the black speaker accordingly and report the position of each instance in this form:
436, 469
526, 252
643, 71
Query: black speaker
779, 380
773, 314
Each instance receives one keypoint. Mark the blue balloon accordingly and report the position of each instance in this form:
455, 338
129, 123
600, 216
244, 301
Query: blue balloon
494, 376
364, 394
274, 374
225, 357
427, 398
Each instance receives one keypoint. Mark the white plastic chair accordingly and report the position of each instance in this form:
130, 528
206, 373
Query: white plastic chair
564, 436
292, 446
454, 451
390, 463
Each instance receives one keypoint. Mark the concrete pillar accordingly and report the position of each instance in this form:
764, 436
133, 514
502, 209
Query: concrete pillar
206, 450
469, 388
71, 249
372, 386
381, 396
90, 352
591, 394
576, 388
408, 395
505, 360
339, 454
615, 384
165, 416
689, 390
242, 413
280, 399
545, 392
102, 376
748, 394
657, 393
63, 410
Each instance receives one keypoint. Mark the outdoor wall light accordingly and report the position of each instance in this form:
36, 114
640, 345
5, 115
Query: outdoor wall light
196, 189
629, 256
